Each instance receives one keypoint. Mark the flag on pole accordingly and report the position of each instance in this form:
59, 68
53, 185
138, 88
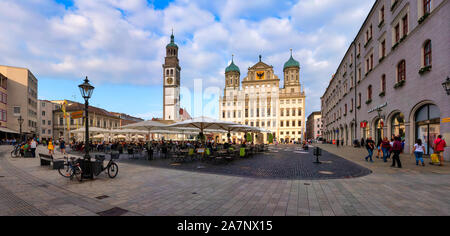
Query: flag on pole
63, 108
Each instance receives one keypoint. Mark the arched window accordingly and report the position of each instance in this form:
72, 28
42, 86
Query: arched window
427, 53
359, 99
398, 125
401, 71
426, 6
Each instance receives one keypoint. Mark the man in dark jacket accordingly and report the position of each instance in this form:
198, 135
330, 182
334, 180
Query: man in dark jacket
396, 149
370, 145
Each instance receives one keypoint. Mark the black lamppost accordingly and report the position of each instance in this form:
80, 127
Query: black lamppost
86, 92
446, 85
20, 120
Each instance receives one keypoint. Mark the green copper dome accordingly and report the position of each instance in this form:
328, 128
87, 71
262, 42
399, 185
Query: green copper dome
232, 67
172, 42
291, 62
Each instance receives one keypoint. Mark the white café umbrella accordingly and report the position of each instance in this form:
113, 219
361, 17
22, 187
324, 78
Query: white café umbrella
262, 130
202, 123
128, 131
120, 136
245, 128
99, 136
147, 125
138, 137
91, 130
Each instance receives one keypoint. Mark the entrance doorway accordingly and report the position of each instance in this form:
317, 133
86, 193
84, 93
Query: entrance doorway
427, 121
379, 130
398, 125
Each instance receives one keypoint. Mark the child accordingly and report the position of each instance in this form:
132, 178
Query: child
50, 147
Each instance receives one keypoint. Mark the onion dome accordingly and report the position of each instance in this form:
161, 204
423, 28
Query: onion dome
291, 62
232, 67
172, 42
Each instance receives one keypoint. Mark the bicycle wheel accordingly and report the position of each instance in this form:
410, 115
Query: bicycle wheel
78, 173
113, 170
66, 171
14, 153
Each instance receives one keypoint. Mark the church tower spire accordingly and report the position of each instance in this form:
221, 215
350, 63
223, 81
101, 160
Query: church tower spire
171, 76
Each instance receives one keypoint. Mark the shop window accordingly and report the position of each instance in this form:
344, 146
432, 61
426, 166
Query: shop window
427, 125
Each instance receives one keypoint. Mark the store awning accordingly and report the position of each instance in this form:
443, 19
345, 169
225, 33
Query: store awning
6, 130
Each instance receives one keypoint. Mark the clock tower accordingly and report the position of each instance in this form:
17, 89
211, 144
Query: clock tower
171, 76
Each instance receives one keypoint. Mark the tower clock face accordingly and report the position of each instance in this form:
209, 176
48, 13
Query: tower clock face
169, 81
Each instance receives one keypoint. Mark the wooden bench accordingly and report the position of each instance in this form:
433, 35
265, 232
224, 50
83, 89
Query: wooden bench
47, 160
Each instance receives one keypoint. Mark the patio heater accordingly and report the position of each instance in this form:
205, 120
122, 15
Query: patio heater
86, 90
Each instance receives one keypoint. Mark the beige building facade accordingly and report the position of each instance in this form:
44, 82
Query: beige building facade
314, 126
260, 102
98, 117
45, 120
22, 87
3, 101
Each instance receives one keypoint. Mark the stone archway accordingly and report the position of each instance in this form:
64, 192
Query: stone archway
425, 128
388, 122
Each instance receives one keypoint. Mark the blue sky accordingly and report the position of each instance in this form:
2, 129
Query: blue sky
120, 45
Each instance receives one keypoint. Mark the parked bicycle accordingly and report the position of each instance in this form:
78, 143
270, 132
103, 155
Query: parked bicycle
71, 169
16, 151
112, 167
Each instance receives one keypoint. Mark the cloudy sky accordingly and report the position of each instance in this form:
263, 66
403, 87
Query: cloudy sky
120, 45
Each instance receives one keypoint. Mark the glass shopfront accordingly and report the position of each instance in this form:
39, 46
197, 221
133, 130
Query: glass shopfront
379, 130
398, 125
365, 130
427, 124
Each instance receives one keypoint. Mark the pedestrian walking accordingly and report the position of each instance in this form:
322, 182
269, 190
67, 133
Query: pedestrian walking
418, 151
33, 146
62, 146
385, 147
362, 142
390, 149
370, 145
397, 149
438, 147
337, 142
379, 147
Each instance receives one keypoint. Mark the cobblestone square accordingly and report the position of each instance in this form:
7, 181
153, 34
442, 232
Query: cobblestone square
150, 188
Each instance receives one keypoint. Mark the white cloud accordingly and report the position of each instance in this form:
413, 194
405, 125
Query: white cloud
123, 41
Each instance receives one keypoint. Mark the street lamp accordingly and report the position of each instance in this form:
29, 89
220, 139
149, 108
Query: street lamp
381, 121
20, 120
446, 85
86, 92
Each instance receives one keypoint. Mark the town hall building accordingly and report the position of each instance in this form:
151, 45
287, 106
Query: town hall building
260, 102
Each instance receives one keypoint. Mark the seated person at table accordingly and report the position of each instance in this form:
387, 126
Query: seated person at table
26, 148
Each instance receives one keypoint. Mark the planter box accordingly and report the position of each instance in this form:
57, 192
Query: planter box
422, 19
399, 84
425, 69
